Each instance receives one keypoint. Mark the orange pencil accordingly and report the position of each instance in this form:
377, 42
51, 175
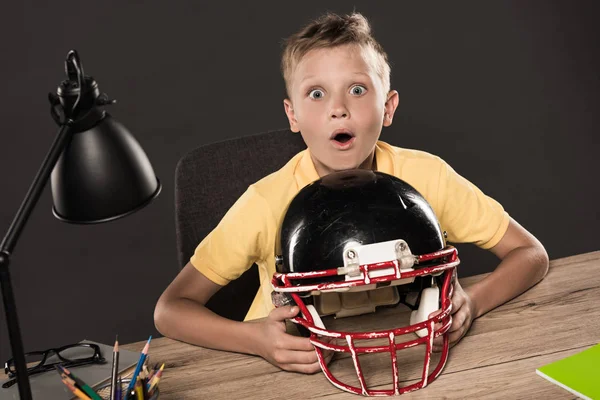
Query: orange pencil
151, 374
81, 384
156, 378
76, 391
69, 380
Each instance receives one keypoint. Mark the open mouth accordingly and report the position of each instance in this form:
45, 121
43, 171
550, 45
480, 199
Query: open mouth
342, 136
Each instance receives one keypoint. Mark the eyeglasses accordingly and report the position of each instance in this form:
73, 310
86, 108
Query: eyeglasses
71, 355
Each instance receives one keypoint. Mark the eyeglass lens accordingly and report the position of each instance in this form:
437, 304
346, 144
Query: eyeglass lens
73, 353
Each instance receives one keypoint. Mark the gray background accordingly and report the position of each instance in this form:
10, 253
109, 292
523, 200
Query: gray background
506, 92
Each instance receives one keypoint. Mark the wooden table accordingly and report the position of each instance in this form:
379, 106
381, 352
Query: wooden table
497, 359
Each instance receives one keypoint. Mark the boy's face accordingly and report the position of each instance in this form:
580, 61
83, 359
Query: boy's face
339, 106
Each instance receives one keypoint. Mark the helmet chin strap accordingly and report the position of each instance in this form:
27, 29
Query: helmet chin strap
430, 302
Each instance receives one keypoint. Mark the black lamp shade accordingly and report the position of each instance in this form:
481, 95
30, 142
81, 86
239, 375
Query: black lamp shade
103, 174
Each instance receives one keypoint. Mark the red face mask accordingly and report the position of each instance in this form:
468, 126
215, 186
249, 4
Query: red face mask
290, 288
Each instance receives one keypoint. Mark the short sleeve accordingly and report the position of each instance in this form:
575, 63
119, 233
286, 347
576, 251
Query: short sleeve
237, 242
468, 215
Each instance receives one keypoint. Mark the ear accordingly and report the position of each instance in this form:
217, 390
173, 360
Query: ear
390, 107
289, 111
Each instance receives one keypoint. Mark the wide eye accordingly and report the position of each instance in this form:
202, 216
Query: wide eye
316, 94
358, 90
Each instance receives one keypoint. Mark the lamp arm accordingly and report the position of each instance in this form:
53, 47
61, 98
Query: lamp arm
7, 246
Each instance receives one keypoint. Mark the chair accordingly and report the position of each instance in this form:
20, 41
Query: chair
208, 180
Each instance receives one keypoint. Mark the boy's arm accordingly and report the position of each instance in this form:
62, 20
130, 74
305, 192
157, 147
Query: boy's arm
180, 314
524, 263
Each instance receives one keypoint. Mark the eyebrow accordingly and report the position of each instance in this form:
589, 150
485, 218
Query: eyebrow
354, 73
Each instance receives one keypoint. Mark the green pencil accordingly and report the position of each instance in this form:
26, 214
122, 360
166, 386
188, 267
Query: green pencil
84, 386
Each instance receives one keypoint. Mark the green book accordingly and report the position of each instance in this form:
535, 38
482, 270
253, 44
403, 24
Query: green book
579, 373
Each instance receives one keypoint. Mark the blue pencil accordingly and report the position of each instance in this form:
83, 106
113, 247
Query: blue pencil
118, 389
140, 363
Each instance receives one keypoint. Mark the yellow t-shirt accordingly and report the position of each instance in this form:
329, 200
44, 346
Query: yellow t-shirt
246, 234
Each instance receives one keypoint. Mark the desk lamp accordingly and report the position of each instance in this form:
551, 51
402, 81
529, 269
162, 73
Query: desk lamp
98, 172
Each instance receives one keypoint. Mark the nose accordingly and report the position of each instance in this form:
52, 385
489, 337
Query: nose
339, 110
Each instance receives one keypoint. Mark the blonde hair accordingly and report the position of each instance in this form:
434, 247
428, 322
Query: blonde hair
332, 30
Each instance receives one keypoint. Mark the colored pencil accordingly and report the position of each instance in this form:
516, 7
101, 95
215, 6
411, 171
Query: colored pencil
138, 368
131, 395
119, 389
154, 370
139, 393
81, 384
64, 376
144, 389
66, 380
76, 391
155, 378
115, 370
144, 372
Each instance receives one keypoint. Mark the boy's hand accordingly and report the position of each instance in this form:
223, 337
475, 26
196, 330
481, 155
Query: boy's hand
463, 314
288, 352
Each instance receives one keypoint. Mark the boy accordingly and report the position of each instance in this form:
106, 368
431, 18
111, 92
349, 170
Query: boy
338, 84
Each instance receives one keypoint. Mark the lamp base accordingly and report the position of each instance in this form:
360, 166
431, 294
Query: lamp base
14, 332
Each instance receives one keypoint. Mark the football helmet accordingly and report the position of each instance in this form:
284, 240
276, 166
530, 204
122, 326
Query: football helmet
365, 231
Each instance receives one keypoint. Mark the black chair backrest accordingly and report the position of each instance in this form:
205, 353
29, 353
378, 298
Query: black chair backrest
208, 180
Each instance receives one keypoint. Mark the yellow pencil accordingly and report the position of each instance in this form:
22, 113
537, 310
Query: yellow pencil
139, 392
68, 380
76, 391
156, 378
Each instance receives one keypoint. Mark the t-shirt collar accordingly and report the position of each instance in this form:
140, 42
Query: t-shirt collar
306, 173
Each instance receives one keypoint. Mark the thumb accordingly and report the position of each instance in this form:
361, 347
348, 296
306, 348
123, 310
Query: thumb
283, 313
436, 312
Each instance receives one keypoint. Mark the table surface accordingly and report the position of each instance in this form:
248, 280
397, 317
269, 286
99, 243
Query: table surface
496, 359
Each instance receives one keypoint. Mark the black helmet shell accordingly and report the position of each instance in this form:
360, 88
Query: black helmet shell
359, 206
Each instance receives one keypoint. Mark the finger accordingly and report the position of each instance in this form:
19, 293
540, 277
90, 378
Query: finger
437, 349
457, 335
304, 368
440, 346
453, 339
328, 355
457, 303
326, 340
457, 322
437, 325
291, 342
296, 357
283, 313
